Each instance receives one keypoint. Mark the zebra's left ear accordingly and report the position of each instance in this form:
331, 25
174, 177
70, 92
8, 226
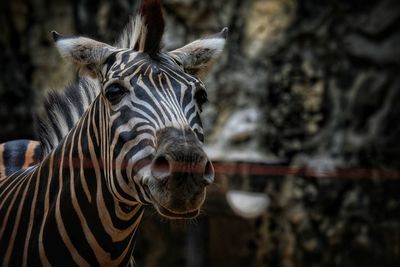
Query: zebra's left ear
197, 57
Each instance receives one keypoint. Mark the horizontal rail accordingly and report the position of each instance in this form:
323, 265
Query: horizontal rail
262, 169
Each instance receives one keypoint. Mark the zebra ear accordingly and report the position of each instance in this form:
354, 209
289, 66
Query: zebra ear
197, 57
86, 53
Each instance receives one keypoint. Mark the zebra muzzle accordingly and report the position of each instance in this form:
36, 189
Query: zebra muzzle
179, 153
180, 172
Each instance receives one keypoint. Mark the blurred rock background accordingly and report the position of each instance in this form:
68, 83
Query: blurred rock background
302, 84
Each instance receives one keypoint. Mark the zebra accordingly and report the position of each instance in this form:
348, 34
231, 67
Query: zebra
129, 134
18, 155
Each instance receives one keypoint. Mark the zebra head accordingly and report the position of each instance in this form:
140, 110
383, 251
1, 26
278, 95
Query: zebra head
151, 103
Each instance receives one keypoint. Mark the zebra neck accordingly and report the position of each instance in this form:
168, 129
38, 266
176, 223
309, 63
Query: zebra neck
95, 218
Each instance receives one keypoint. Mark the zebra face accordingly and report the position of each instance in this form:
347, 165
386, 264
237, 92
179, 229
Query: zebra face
156, 88
152, 102
156, 131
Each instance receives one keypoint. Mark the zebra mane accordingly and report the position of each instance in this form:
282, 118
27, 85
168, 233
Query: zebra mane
63, 109
145, 30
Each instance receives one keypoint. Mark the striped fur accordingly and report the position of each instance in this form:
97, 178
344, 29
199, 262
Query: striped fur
18, 154
71, 213
77, 212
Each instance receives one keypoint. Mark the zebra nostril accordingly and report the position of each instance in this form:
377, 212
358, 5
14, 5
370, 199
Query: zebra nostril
209, 173
160, 168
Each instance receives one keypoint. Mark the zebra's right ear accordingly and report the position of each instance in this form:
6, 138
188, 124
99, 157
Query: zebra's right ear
197, 57
87, 54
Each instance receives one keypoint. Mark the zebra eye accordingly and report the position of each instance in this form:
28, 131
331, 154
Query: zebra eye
201, 98
115, 92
